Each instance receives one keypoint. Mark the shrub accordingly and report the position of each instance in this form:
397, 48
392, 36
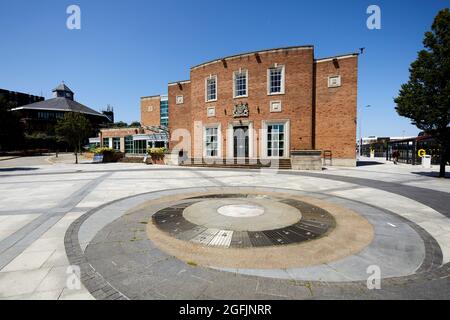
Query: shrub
156, 151
103, 150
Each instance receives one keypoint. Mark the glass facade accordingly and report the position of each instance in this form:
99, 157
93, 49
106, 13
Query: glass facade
46, 115
156, 144
129, 144
275, 140
139, 146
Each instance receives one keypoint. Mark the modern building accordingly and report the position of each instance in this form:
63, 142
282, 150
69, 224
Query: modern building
260, 105
132, 141
153, 132
409, 147
41, 116
377, 147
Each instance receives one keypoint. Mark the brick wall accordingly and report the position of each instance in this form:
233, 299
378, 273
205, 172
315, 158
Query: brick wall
335, 128
296, 102
119, 132
179, 114
307, 100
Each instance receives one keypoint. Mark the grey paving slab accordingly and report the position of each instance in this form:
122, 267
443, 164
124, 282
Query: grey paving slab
163, 270
221, 178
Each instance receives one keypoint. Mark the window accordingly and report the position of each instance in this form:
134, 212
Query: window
164, 116
45, 115
211, 112
116, 143
275, 140
179, 100
159, 144
140, 146
106, 142
275, 106
240, 83
275, 80
334, 81
212, 142
149, 108
211, 88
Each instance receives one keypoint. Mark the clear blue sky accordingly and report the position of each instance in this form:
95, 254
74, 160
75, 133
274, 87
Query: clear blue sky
129, 49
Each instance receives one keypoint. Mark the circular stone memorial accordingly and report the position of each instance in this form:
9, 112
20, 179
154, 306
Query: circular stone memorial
241, 210
236, 235
237, 214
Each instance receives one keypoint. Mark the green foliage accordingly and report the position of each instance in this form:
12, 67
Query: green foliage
135, 124
103, 150
120, 124
156, 151
425, 98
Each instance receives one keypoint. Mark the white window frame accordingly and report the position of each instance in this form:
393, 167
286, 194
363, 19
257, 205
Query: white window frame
206, 88
113, 143
150, 109
219, 140
271, 106
177, 99
264, 133
283, 80
339, 81
246, 83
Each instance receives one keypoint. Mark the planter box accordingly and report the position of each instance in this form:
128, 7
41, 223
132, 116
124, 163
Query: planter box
112, 156
157, 159
88, 155
306, 160
172, 159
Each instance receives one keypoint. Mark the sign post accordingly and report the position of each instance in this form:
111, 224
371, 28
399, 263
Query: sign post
426, 159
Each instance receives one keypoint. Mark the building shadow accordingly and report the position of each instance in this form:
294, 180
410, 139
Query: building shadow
367, 163
17, 169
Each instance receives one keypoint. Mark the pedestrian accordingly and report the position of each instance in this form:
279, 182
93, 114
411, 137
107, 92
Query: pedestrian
145, 157
395, 155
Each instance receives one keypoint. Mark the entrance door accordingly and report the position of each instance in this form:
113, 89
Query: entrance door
240, 145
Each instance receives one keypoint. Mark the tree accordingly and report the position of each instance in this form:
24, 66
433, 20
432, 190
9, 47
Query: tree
425, 98
74, 128
135, 124
11, 129
120, 124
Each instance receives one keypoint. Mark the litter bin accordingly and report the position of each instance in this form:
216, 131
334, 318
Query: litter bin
426, 161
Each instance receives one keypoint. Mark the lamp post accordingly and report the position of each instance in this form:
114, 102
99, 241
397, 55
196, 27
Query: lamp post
359, 117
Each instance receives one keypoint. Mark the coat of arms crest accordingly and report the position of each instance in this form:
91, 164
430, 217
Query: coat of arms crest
240, 110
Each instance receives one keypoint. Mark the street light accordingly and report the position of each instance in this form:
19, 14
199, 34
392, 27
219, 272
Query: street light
360, 125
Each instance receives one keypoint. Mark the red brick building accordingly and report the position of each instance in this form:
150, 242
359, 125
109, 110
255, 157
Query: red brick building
262, 105
267, 103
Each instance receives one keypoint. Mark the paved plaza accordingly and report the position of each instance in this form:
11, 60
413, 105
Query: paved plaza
136, 231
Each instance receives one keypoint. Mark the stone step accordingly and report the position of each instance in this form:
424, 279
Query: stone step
282, 164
